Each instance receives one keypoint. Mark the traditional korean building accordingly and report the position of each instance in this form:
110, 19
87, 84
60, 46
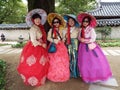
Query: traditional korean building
108, 14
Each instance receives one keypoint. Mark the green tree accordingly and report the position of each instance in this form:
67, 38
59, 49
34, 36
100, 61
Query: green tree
12, 11
105, 31
74, 6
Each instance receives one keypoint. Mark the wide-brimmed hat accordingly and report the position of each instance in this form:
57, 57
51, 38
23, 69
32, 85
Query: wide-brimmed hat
41, 12
81, 16
67, 16
51, 16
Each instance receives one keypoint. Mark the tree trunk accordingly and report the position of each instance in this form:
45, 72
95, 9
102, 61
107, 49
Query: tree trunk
47, 5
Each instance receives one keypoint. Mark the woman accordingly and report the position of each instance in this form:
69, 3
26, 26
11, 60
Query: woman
92, 63
72, 43
59, 61
33, 66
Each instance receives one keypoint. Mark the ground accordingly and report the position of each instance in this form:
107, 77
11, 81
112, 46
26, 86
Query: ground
14, 82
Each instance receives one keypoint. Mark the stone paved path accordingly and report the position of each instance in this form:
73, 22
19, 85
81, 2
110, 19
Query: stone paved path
12, 54
8, 50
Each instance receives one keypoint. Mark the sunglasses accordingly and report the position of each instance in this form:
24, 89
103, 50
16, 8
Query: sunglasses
56, 22
86, 21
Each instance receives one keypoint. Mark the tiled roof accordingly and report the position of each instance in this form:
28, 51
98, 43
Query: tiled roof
107, 9
107, 14
108, 22
14, 26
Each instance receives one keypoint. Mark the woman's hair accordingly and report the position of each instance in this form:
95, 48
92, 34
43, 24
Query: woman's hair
36, 15
72, 19
57, 19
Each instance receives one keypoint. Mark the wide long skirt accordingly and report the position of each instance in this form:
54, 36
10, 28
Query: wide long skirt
33, 65
73, 55
59, 64
93, 65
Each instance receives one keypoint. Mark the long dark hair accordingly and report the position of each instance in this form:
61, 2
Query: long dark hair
36, 15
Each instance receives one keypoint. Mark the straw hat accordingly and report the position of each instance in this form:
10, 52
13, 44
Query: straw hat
51, 16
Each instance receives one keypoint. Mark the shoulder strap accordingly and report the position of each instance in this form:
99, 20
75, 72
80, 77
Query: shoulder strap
52, 34
59, 35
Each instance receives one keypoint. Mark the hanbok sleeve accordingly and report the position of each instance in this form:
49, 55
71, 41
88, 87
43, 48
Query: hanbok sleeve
33, 35
49, 38
79, 34
93, 36
64, 32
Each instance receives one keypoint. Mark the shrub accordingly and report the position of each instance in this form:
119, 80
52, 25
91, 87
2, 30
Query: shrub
18, 45
105, 31
2, 74
109, 43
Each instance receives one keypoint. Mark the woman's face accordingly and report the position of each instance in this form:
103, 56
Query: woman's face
37, 21
56, 23
71, 22
85, 22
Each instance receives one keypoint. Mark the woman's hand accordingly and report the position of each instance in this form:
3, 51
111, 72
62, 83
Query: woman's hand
56, 41
82, 39
85, 40
43, 45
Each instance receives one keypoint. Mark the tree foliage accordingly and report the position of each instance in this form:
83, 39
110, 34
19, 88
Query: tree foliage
12, 11
105, 31
74, 6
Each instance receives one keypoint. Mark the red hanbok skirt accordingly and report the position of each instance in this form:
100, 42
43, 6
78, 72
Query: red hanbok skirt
33, 65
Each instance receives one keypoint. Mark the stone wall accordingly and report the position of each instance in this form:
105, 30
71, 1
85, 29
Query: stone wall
14, 34
115, 33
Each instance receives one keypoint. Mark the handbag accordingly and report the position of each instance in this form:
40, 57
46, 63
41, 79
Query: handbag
52, 48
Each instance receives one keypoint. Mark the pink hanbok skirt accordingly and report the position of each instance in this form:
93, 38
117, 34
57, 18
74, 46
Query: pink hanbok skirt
93, 65
59, 64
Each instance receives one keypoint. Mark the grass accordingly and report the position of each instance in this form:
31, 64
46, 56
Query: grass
3, 44
109, 43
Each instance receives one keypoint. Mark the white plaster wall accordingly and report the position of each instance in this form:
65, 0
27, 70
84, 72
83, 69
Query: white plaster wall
115, 32
14, 34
